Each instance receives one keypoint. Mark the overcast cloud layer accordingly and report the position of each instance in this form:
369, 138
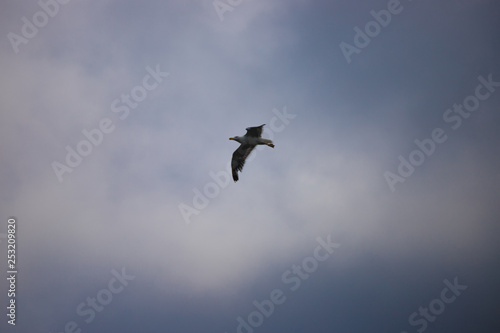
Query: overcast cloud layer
378, 209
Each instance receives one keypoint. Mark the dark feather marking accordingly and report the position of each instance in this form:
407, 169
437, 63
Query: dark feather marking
254, 131
238, 160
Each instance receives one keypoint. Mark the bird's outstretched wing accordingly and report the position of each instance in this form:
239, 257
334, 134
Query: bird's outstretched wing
254, 131
239, 157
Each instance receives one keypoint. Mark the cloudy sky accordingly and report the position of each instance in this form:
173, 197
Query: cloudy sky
376, 211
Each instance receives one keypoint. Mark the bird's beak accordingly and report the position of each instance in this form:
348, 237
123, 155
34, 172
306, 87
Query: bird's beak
231, 138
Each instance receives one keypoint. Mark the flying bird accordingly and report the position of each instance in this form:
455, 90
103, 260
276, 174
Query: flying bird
248, 143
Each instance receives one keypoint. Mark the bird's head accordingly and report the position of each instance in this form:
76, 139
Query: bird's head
236, 138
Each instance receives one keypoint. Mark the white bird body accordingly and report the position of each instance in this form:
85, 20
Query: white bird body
253, 141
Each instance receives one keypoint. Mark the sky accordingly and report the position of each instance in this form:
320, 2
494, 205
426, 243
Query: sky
377, 210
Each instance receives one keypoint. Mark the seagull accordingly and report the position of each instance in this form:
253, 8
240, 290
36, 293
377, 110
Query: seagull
248, 143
